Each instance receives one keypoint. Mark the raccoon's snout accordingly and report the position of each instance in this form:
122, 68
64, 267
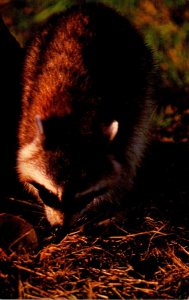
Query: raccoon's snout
70, 202
70, 205
44, 177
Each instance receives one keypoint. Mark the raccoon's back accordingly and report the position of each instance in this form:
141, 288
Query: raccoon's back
86, 59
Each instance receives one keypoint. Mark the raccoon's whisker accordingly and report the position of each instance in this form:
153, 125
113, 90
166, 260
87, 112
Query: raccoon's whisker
25, 203
93, 190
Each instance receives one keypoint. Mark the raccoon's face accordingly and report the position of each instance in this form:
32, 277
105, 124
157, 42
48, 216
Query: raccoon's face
71, 171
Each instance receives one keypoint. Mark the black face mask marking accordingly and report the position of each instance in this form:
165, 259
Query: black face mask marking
48, 197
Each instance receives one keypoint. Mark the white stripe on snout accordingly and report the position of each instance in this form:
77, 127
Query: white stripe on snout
31, 169
28, 172
28, 151
54, 216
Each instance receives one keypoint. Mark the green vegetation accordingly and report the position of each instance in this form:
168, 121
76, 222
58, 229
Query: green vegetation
164, 24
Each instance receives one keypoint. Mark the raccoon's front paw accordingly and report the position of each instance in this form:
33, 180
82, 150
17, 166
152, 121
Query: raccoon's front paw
16, 234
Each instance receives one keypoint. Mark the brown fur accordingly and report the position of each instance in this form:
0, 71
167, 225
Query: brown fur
85, 69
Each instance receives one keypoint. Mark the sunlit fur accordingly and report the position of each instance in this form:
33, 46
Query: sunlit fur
31, 168
86, 110
54, 216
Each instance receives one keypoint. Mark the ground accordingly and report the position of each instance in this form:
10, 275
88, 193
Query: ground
142, 252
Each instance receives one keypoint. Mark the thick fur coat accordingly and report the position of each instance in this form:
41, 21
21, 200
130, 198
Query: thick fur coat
86, 109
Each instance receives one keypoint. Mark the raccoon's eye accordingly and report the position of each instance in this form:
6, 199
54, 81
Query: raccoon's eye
48, 197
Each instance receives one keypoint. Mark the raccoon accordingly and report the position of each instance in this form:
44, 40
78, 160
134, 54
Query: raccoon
86, 110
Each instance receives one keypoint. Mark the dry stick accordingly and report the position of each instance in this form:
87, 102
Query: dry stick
37, 289
20, 288
20, 238
90, 293
158, 232
102, 296
117, 293
33, 272
183, 249
140, 233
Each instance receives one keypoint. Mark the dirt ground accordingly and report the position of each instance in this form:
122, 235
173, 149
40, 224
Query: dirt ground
141, 252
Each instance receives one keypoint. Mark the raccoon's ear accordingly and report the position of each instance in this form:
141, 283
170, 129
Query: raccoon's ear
39, 125
111, 130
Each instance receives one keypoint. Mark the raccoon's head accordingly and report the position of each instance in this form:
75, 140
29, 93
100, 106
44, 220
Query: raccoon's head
70, 170
86, 110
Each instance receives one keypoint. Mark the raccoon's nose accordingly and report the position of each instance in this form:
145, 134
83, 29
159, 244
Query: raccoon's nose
57, 233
